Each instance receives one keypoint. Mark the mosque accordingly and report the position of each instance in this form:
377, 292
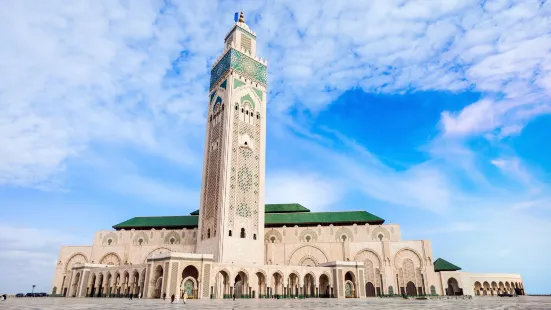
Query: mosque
236, 245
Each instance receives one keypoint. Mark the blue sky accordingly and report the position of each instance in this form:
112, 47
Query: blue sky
430, 114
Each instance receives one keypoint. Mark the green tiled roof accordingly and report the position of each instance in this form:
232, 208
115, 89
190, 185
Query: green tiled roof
285, 208
314, 218
277, 208
149, 222
271, 220
443, 265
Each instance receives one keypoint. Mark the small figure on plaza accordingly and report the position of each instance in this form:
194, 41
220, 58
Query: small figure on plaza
185, 297
164, 296
172, 299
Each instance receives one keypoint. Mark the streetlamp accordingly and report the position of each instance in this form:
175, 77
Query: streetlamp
33, 289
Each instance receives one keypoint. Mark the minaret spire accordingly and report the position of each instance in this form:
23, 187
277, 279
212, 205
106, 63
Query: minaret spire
241, 17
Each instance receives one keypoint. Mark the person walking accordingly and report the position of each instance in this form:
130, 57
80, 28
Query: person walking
172, 299
164, 296
185, 297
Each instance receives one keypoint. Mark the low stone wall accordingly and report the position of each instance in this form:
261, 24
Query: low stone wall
450, 297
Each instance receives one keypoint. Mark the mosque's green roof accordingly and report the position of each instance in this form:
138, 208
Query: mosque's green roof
443, 265
277, 208
276, 215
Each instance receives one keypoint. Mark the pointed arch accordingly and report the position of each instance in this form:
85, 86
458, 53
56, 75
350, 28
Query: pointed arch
75, 259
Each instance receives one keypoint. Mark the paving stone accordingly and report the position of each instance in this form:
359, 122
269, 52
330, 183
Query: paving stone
50, 303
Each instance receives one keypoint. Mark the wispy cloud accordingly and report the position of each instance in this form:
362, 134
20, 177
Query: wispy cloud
313, 190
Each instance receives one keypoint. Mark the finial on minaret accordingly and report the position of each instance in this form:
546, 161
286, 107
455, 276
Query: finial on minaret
241, 17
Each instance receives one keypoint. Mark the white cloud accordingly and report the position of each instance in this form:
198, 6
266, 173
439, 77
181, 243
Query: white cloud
28, 256
82, 73
154, 191
313, 191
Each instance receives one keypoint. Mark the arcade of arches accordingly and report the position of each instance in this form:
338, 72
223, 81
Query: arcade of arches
494, 288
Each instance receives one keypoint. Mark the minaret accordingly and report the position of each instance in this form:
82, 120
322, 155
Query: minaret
231, 218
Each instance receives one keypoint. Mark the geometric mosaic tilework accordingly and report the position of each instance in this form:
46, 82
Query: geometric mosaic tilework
212, 96
242, 64
248, 98
223, 85
237, 83
258, 93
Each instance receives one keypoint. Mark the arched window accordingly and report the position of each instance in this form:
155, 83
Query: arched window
172, 240
208, 233
343, 237
140, 241
242, 110
236, 108
242, 233
109, 242
272, 239
230, 233
254, 236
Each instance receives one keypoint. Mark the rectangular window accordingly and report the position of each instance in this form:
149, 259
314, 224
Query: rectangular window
245, 42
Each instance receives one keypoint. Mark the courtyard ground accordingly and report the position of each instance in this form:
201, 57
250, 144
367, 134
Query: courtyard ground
505, 303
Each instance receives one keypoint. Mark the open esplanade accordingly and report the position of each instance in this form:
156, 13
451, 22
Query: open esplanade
235, 244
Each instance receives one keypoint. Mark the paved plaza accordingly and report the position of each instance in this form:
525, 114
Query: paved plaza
524, 302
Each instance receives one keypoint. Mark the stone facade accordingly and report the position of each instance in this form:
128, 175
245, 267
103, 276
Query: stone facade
231, 250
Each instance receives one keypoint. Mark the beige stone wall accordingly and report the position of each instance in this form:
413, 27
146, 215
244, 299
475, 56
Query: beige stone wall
479, 284
122, 247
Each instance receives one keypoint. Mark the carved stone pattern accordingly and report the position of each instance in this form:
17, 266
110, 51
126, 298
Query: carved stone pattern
233, 172
172, 235
401, 277
206, 281
406, 254
308, 232
111, 236
141, 235
341, 280
409, 271
173, 278
257, 145
213, 170
110, 259
247, 166
418, 277
378, 278
343, 231
378, 231
273, 233
366, 255
369, 271
308, 260
76, 258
